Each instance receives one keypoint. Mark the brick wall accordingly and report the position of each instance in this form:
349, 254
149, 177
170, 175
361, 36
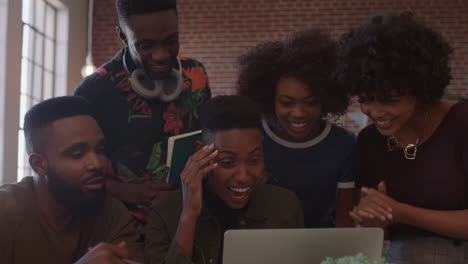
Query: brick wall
217, 31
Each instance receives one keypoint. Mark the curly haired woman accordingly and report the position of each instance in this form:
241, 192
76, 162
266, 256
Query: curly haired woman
292, 82
413, 160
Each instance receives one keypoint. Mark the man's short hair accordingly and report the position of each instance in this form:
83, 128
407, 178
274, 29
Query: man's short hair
228, 112
48, 111
127, 8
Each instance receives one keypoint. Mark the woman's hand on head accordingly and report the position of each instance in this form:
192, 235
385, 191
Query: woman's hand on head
199, 165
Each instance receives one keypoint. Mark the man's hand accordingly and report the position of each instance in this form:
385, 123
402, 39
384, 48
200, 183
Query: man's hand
196, 168
141, 194
105, 253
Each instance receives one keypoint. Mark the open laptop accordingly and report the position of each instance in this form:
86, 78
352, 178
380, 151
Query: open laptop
300, 246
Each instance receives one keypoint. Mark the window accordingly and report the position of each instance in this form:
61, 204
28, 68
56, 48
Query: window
3, 30
3, 22
38, 65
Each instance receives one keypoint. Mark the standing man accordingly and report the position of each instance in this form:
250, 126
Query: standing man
145, 94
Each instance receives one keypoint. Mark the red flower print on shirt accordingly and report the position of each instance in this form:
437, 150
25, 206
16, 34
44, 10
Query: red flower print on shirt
198, 77
172, 120
138, 106
102, 71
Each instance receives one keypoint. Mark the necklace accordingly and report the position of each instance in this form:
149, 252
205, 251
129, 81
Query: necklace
409, 150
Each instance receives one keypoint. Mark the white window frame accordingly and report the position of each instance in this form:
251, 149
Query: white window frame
11, 33
3, 49
9, 92
41, 77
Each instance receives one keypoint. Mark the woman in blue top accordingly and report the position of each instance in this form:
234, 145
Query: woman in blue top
292, 82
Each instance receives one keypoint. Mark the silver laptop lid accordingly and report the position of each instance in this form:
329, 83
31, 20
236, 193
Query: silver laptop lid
300, 246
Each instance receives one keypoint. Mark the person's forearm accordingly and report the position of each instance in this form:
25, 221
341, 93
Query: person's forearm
447, 223
185, 234
345, 201
343, 219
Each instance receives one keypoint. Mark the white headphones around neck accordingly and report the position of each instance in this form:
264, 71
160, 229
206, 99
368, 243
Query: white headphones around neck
166, 90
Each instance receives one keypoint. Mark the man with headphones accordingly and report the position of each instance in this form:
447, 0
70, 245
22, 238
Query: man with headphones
145, 94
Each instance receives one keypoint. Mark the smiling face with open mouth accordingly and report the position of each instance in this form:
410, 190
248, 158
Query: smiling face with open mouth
153, 41
297, 109
392, 115
241, 165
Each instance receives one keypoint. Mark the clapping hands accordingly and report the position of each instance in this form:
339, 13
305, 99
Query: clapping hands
375, 208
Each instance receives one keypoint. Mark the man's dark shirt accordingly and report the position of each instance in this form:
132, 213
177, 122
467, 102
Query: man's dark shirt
137, 129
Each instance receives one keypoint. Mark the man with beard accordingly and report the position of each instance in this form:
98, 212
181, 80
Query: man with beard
62, 214
144, 95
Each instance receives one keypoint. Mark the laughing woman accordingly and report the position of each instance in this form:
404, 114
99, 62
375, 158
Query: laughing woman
413, 159
292, 82
221, 190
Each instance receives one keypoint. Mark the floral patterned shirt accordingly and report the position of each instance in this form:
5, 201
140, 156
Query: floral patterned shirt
137, 129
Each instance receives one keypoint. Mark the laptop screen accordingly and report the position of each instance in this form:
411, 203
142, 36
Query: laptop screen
300, 246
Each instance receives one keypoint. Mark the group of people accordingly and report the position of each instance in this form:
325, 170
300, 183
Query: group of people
270, 157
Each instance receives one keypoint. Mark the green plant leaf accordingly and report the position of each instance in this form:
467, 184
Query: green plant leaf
159, 173
155, 157
131, 177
